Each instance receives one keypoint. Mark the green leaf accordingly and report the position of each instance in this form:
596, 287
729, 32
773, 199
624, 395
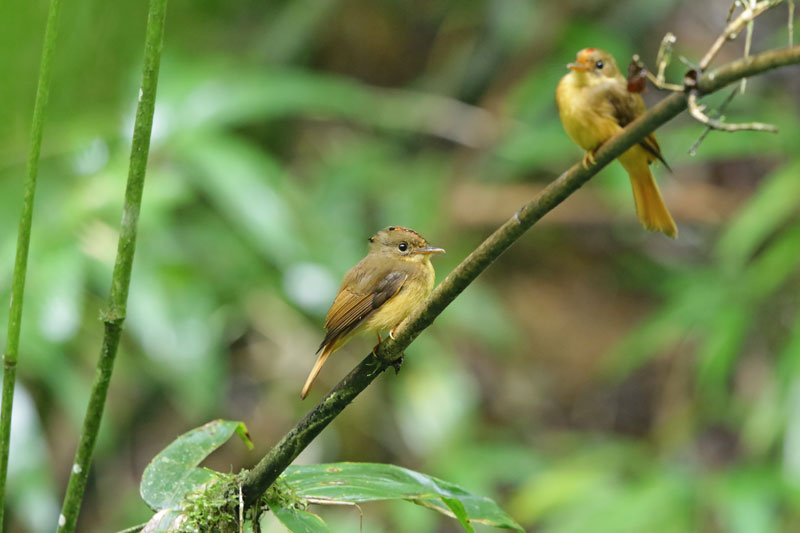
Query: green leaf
777, 199
724, 333
243, 183
299, 521
362, 482
173, 473
458, 510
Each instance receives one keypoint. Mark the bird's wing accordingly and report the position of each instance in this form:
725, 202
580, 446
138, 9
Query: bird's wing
626, 107
360, 298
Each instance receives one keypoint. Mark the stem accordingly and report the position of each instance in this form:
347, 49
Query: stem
733, 29
11, 353
256, 481
121, 277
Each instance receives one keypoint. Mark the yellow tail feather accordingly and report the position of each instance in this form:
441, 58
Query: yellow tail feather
650, 208
326, 351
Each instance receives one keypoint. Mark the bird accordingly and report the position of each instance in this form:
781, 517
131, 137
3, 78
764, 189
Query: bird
594, 104
379, 292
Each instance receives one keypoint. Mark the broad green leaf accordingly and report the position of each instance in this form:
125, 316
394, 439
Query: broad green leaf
244, 185
299, 521
777, 199
774, 265
695, 302
743, 499
789, 359
173, 473
460, 513
724, 334
361, 482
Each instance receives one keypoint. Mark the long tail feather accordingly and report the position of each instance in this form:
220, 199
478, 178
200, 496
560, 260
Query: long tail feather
326, 351
650, 208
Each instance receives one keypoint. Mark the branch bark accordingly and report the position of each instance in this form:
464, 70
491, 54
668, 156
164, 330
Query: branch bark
256, 481
121, 277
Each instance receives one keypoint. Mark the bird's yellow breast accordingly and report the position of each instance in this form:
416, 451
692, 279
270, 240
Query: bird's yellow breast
586, 114
415, 289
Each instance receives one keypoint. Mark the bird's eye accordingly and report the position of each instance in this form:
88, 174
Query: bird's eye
402, 246
599, 65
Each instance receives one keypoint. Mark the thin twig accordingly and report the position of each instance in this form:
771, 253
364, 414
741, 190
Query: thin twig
674, 87
663, 59
259, 478
733, 29
241, 510
716, 113
121, 277
11, 353
665, 53
696, 111
748, 41
731, 10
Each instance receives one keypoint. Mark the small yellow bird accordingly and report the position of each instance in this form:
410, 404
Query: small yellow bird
594, 105
379, 292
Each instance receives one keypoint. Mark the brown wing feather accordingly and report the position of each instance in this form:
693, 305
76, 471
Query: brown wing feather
350, 309
627, 106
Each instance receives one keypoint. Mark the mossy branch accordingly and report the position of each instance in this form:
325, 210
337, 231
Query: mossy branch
256, 481
121, 277
11, 353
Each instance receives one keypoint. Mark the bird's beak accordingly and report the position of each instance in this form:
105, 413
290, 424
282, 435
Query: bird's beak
578, 67
430, 250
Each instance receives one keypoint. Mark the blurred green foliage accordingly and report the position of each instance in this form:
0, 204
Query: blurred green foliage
597, 377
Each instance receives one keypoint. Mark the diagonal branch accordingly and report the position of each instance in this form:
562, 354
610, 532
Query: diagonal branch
256, 481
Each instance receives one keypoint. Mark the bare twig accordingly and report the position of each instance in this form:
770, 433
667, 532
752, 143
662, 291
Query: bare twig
748, 41
716, 113
241, 510
664, 84
696, 111
732, 30
662, 60
665, 53
731, 10
751, 10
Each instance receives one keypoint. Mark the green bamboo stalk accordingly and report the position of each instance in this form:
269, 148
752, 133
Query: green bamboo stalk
255, 481
11, 353
120, 281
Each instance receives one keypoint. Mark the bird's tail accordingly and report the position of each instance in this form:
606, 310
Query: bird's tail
326, 351
650, 208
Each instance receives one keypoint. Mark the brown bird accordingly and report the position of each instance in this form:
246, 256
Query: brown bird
594, 105
379, 292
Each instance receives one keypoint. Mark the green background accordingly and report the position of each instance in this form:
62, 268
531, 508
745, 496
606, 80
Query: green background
596, 377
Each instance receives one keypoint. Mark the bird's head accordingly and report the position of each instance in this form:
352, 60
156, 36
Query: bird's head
402, 243
594, 64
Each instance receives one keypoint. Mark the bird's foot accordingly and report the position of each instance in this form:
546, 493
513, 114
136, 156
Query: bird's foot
380, 340
391, 333
589, 160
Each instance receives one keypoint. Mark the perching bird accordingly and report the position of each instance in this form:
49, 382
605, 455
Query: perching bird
594, 105
379, 292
